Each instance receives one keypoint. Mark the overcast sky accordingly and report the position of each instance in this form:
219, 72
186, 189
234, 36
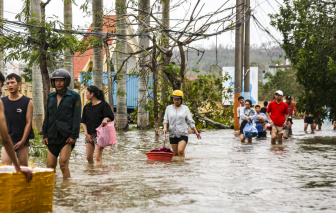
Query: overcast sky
261, 9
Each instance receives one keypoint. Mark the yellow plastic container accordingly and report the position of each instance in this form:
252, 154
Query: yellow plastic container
17, 195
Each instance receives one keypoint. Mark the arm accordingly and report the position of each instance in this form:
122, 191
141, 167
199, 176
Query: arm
294, 111
45, 122
286, 119
242, 114
29, 120
268, 116
165, 122
108, 115
191, 123
8, 144
252, 117
88, 137
238, 116
76, 119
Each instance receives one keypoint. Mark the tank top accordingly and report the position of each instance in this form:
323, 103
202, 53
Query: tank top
15, 112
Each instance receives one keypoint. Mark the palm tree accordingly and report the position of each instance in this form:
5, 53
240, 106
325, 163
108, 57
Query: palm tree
37, 77
97, 20
68, 25
143, 61
121, 48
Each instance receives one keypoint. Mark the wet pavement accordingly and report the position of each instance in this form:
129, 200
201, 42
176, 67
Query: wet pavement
219, 174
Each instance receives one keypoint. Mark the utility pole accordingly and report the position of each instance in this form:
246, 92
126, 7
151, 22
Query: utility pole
247, 53
238, 59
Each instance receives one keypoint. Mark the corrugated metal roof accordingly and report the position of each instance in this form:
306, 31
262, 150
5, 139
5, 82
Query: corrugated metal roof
131, 89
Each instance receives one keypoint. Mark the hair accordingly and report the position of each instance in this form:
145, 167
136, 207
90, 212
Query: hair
241, 97
248, 100
98, 93
13, 75
2, 78
257, 106
265, 103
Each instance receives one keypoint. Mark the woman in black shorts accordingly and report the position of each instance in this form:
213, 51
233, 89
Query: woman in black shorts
95, 113
178, 117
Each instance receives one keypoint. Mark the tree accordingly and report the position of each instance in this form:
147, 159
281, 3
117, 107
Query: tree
284, 80
121, 51
68, 59
97, 26
309, 38
27, 74
144, 58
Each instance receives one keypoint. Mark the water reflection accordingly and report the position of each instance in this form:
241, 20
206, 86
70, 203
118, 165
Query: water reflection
219, 174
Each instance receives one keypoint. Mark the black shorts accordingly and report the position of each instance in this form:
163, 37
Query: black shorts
55, 145
26, 144
177, 140
309, 120
290, 120
242, 126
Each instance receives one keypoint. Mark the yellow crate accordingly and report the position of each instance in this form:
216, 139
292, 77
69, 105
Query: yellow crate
17, 195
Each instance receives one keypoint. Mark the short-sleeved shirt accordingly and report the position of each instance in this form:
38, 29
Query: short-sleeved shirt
278, 112
263, 110
93, 115
291, 108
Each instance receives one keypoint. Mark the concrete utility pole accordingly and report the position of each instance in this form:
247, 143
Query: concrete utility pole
247, 52
238, 59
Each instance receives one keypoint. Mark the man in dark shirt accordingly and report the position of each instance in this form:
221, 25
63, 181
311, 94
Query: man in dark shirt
62, 121
19, 118
264, 109
6, 140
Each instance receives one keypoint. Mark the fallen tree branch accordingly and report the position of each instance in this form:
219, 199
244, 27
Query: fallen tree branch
209, 121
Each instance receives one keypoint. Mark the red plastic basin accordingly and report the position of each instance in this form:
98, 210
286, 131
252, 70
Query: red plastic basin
162, 156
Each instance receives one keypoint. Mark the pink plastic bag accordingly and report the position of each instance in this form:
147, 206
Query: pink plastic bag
106, 136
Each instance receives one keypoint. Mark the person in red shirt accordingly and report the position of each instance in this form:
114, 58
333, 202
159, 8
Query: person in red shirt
292, 113
277, 113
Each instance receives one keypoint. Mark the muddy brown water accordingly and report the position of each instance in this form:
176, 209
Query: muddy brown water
219, 174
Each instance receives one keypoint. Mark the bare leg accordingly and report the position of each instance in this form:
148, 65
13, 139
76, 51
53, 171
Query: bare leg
51, 160
242, 139
249, 140
23, 155
89, 153
181, 147
274, 137
305, 127
5, 160
289, 126
279, 136
174, 147
99, 155
64, 161
284, 134
312, 127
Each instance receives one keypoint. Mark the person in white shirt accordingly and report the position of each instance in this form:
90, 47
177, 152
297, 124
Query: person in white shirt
241, 100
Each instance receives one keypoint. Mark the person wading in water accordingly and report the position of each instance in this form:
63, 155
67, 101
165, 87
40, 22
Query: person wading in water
19, 118
247, 115
6, 140
62, 121
95, 113
178, 117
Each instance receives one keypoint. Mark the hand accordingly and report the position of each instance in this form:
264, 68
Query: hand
198, 135
248, 121
19, 145
285, 124
71, 141
27, 172
104, 122
45, 141
247, 118
270, 122
88, 138
164, 131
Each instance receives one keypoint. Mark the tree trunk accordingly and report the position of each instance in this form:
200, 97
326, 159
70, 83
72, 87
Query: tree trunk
109, 78
43, 64
68, 65
165, 58
37, 77
121, 115
97, 20
143, 121
2, 65
155, 83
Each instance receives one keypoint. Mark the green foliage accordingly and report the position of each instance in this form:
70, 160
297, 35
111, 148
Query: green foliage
86, 78
284, 80
27, 74
37, 148
309, 40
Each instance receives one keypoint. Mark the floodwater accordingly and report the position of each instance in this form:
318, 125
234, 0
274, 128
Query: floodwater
219, 174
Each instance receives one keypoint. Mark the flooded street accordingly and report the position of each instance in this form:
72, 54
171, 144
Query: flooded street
217, 175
